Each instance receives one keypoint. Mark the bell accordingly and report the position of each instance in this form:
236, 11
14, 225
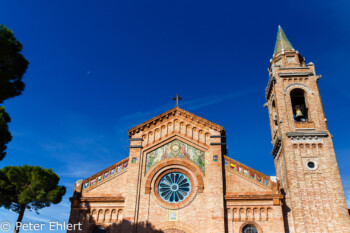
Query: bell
299, 114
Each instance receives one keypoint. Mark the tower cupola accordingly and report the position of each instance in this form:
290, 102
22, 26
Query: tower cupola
284, 54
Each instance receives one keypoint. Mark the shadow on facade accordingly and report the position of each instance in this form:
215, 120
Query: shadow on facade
93, 224
285, 210
123, 226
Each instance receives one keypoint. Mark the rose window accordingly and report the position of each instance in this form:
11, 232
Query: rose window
174, 187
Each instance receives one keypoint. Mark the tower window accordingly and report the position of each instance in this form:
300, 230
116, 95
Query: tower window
311, 165
250, 229
299, 105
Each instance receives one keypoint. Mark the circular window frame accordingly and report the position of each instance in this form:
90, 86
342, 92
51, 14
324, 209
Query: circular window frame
183, 203
172, 185
313, 161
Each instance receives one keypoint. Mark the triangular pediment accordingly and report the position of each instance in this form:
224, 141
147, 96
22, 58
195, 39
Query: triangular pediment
179, 113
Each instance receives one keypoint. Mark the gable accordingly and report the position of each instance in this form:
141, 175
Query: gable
177, 113
175, 148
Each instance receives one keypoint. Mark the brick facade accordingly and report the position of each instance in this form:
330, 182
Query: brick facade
225, 195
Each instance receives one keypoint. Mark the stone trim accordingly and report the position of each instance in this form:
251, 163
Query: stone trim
135, 139
137, 146
307, 137
217, 143
100, 199
293, 68
307, 134
297, 84
293, 74
217, 136
253, 197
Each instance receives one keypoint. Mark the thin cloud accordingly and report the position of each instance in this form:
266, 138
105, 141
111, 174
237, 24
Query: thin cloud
190, 105
37, 219
207, 101
155, 111
82, 169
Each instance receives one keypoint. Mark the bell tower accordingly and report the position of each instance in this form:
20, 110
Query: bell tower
303, 151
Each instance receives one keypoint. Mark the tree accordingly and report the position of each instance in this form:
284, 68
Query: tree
29, 187
12, 65
5, 135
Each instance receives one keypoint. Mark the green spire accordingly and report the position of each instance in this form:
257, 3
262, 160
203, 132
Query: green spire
282, 42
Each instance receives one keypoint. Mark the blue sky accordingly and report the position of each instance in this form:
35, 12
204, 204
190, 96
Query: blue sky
98, 68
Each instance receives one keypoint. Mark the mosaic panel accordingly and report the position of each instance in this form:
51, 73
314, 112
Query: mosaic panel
177, 149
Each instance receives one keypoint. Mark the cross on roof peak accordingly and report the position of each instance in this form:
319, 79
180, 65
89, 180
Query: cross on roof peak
177, 98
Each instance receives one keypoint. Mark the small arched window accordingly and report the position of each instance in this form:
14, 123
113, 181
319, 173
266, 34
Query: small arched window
249, 229
299, 105
99, 229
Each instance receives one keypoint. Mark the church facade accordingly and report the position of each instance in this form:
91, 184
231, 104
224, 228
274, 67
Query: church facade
177, 177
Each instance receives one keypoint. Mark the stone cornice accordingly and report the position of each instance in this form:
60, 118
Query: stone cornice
253, 197
98, 199
307, 134
293, 68
294, 74
175, 111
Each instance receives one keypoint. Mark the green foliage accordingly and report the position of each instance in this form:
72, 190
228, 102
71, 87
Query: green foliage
12, 65
5, 135
32, 187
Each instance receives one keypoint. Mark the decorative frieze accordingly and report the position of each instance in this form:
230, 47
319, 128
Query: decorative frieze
307, 137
